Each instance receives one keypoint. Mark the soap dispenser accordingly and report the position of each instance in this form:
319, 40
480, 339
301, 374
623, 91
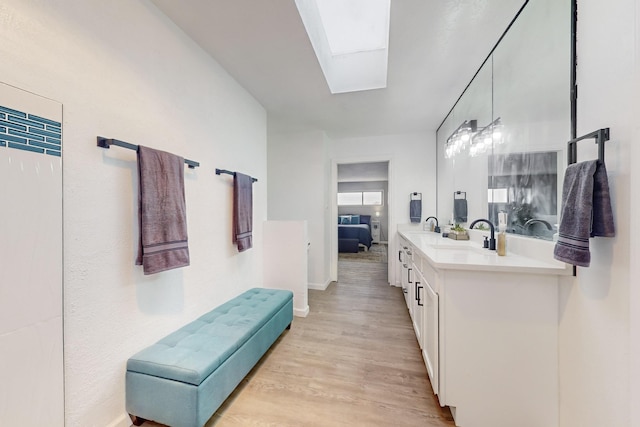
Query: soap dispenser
502, 234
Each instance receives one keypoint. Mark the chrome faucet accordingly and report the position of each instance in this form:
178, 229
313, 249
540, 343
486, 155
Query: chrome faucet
492, 239
437, 228
536, 220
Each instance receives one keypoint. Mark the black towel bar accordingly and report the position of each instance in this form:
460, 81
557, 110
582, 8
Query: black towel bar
458, 193
600, 135
219, 171
108, 142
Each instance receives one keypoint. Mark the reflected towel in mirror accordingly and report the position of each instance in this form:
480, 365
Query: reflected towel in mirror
460, 210
415, 210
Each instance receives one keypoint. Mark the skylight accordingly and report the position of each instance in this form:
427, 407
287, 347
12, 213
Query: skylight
350, 39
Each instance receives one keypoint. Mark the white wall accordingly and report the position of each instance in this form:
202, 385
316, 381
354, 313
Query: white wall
297, 181
286, 246
595, 307
122, 70
634, 253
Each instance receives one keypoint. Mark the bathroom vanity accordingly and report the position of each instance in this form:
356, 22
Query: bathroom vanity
487, 327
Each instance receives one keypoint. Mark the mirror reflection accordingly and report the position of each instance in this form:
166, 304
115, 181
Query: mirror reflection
504, 141
525, 186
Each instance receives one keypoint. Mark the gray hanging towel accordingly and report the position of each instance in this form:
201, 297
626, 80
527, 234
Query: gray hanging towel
242, 211
586, 212
162, 211
460, 210
415, 210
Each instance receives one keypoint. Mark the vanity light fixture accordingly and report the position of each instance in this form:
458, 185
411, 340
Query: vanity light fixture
478, 141
486, 137
460, 138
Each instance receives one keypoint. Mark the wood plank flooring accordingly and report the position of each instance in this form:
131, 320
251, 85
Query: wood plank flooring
354, 361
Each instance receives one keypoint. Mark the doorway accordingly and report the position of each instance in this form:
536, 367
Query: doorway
361, 213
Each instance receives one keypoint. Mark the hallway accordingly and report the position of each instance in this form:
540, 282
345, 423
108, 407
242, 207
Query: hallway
354, 361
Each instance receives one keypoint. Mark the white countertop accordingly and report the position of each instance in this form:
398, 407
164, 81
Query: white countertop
449, 254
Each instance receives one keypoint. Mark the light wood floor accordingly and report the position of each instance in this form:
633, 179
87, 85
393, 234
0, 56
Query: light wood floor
354, 361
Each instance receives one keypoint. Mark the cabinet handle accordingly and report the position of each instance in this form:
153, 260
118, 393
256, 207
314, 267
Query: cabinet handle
418, 294
409, 275
416, 297
409, 253
404, 290
400, 256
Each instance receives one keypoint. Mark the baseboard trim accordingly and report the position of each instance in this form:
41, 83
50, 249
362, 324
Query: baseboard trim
301, 313
319, 286
121, 421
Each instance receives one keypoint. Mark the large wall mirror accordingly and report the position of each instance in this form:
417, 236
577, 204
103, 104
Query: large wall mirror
503, 145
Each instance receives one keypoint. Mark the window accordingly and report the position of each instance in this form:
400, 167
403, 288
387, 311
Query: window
372, 198
360, 198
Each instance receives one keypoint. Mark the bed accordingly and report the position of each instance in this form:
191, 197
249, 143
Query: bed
358, 228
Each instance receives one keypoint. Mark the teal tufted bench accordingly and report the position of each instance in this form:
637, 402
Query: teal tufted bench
182, 379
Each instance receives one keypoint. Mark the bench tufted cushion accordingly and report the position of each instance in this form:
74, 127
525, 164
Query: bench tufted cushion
194, 351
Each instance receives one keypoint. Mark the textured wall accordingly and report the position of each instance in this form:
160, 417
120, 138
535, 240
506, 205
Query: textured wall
122, 70
595, 306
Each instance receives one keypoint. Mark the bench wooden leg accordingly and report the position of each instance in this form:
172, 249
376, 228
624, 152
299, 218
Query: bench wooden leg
137, 421
289, 326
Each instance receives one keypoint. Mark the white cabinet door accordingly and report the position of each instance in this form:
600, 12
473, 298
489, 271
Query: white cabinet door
403, 269
430, 335
418, 306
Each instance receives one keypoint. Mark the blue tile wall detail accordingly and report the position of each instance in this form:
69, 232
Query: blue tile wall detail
12, 111
24, 131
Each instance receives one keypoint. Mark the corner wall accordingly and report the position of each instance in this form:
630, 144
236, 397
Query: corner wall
123, 70
300, 183
297, 165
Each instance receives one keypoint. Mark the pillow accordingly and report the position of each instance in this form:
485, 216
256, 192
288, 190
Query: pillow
344, 219
355, 219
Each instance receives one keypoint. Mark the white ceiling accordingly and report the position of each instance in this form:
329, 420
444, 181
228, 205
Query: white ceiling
435, 48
